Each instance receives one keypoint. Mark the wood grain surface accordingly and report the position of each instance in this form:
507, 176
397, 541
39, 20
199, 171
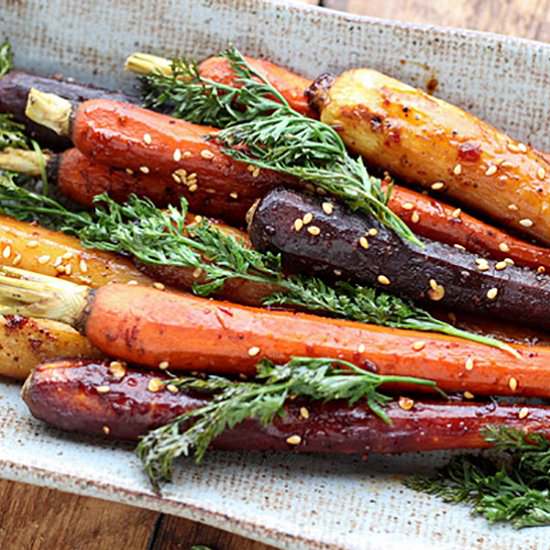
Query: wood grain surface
32, 518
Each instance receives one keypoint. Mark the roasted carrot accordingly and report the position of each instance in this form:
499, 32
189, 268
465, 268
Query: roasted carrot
35, 248
65, 394
152, 327
25, 343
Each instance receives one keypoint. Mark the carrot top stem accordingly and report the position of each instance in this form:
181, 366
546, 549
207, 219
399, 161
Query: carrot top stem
49, 110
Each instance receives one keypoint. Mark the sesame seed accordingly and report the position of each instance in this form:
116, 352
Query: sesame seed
383, 280
129, 171
456, 213
433, 284
469, 363
541, 269
308, 218
60, 268
482, 264
234, 195
503, 247
513, 148
43, 259
197, 273
526, 222
468, 395
176, 178
415, 218
197, 219
103, 389
16, 259
6, 253
177, 155
171, 388
361, 348
58, 261
187, 154
294, 440
419, 345
372, 232
337, 272
158, 286
144, 169
499, 266
513, 384
298, 224
313, 230
437, 186
408, 206
328, 208
523, 413
68, 269
406, 403
256, 172
304, 413
155, 385
193, 188
206, 154
163, 365
253, 351
364, 243
522, 147
132, 283
492, 293
459, 246
116, 368
32, 244
509, 261
436, 292
83, 266
491, 170
67, 255
457, 170
192, 177
541, 173
147, 139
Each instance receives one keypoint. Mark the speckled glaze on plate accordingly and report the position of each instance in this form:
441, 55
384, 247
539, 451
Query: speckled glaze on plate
282, 499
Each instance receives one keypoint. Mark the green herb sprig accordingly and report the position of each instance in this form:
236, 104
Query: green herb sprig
162, 237
12, 133
511, 485
6, 58
262, 129
262, 399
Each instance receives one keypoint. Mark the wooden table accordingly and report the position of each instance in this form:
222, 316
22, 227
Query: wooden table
34, 518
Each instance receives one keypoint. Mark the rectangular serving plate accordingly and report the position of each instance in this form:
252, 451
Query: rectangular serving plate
285, 500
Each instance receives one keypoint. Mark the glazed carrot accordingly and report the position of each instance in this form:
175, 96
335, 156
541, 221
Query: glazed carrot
64, 394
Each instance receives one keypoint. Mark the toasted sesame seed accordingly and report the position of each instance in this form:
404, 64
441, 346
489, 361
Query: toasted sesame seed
523, 413
106, 430
469, 363
499, 266
176, 178
68, 269
67, 255
147, 139
193, 188
144, 169
433, 284
304, 413
457, 170
513, 384
298, 224
206, 154
364, 242
522, 147
129, 171
383, 280
361, 348
513, 207
406, 403
60, 268
313, 230
482, 264
408, 206
337, 272
513, 148
509, 261
177, 155
468, 395
158, 286
132, 283
163, 365
456, 213
197, 273
256, 172
372, 232
541, 173
503, 247
294, 440
328, 208
541, 269
103, 389
16, 259
171, 388
83, 266
32, 244
187, 154
197, 219
308, 218
192, 177
234, 195
436, 291
459, 246
6, 253
419, 345
492, 293
437, 186
43, 259
253, 351
155, 385
491, 170
415, 218
526, 222
116, 368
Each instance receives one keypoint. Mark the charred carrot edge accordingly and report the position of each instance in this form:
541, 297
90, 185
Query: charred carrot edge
146, 326
123, 403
